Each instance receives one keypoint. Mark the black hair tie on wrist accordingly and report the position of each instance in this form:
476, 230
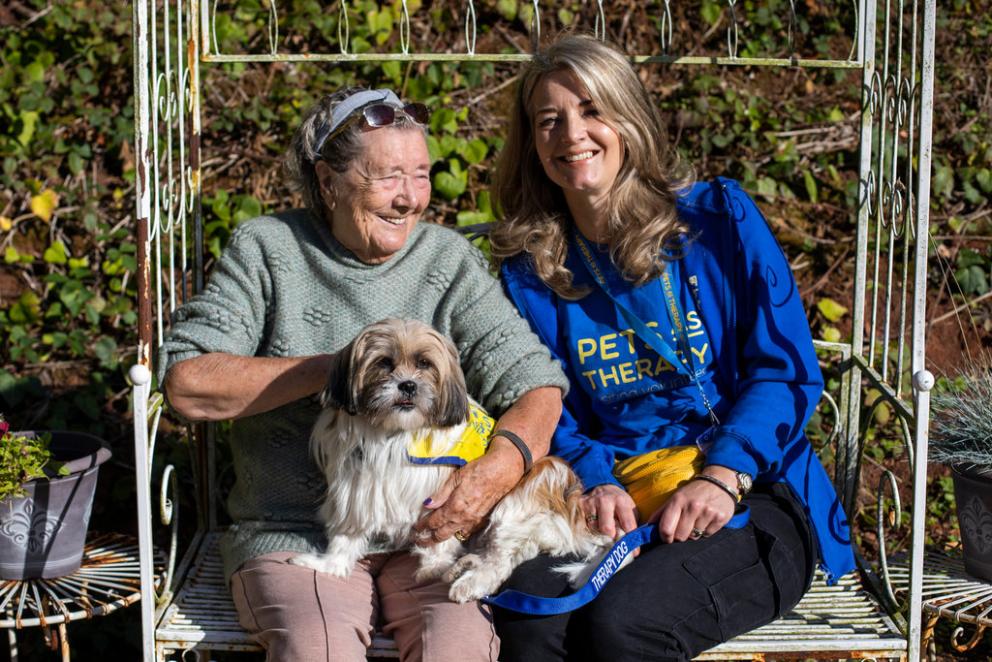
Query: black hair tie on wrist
521, 446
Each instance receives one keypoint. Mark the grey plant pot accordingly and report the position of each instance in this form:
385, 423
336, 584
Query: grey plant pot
973, 496
42, 534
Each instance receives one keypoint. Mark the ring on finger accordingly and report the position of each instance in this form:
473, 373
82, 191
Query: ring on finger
592, 518
461, 536
696, 534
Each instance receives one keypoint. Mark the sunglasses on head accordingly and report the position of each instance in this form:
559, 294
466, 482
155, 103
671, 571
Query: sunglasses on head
378, 115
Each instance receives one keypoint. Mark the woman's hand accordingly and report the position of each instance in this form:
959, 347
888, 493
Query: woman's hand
607, 507
468, 495
466, 498
697, 506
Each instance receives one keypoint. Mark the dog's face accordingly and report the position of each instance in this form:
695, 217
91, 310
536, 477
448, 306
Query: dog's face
399, 375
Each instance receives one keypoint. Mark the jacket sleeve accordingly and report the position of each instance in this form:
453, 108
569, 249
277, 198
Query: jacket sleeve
778, 380
573, 438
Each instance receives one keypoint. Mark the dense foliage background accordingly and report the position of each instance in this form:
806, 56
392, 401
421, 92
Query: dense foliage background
67, 297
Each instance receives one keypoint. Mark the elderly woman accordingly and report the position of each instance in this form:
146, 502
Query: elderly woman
254, 346
675, 315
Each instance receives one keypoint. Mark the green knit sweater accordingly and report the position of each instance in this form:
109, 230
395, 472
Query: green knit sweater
286, 287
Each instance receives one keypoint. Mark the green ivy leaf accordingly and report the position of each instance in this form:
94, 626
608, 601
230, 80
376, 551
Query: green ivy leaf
830, 334
448, 185
29, 119
248, 207
972, 280
943, 180
434, 149
507, 9
984, 179
711, 11
76, 163
968, 258
55, 254
105, 351
474, 151
74, 296
767, 187
27, 308
830, 309
393, 71
34, 73
811, 188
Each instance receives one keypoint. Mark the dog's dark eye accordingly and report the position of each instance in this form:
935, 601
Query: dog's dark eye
386, 363
424, 364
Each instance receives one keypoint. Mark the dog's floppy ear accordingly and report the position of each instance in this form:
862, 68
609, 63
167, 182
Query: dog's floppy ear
452, 406
339, 392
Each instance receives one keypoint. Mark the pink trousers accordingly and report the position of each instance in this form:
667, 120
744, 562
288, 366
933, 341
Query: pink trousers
299, 615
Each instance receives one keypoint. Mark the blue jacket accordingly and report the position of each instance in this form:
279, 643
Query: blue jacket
751, 349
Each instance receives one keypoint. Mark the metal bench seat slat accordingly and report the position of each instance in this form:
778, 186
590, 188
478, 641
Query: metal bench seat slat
829, 620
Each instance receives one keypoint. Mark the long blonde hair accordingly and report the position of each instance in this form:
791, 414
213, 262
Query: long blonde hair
641, 213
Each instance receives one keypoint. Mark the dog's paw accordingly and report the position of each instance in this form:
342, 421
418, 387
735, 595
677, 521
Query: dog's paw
329, 565
474, 584
428, 572
461, 566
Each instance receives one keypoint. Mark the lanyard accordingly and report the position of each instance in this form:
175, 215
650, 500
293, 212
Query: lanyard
526, 603
654, 339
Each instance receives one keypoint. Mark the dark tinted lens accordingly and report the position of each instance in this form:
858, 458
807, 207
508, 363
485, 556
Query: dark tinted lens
379, 115
418, 112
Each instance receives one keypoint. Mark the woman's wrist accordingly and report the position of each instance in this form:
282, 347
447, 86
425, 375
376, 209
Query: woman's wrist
506, 453
519, 444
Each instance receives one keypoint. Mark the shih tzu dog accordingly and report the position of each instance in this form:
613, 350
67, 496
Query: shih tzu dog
397, 386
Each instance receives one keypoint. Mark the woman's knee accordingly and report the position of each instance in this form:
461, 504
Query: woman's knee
296, 614
619, 632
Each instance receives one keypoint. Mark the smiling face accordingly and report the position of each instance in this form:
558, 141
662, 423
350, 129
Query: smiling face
579, 152
376, 203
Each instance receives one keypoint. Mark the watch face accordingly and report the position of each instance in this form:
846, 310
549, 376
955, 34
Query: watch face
743, 482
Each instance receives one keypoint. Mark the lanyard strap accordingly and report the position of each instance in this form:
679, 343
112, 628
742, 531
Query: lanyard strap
525, 603
654, 339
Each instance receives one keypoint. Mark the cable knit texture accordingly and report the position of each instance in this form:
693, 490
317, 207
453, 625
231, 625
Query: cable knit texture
286, 287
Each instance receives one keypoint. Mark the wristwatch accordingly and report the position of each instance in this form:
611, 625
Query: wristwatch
744, 483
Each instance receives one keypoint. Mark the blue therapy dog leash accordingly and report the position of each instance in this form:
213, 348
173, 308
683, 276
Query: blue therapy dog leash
535, 605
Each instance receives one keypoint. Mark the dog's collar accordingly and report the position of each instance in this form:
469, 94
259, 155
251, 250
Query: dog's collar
473, 443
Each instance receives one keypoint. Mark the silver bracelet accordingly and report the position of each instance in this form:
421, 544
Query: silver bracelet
734, 494
521, 446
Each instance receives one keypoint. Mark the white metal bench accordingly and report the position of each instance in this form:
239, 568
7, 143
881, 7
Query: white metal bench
842, 621
891, 52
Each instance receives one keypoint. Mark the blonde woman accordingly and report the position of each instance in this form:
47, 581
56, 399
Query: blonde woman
675, 315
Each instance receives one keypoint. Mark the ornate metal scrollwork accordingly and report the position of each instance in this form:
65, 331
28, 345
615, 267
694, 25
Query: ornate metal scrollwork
169, 516
471, 29
976, 637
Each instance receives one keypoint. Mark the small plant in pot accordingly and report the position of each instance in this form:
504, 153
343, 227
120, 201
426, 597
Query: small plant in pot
47, 481
961, 437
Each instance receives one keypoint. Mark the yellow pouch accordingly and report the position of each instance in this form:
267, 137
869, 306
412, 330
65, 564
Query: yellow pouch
651, 478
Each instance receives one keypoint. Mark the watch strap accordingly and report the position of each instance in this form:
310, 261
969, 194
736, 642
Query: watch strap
734, 494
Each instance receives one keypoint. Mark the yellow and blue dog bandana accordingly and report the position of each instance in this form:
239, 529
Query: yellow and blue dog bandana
473, 443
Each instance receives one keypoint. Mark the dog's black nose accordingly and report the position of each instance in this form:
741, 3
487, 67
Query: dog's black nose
408, 387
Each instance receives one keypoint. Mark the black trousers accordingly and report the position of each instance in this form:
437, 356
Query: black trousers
675, 600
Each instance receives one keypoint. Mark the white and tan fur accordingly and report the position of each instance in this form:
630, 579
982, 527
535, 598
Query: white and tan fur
398, 379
